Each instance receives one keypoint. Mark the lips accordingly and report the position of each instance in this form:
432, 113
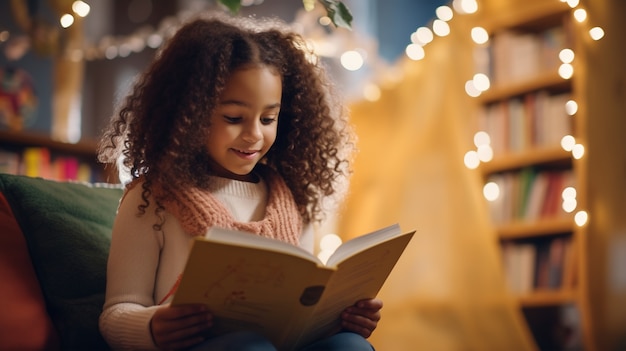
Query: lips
245, 153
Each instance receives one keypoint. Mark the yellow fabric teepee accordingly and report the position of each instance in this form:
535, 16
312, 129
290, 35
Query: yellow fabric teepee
448, 291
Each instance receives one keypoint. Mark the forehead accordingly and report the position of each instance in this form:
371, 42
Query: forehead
260, 83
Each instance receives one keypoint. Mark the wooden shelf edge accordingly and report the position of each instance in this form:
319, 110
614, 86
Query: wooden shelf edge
549, 80
525, 15
24, 139
542, 227
526, 158
546, 298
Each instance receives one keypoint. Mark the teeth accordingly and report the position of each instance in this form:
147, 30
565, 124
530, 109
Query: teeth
246, 152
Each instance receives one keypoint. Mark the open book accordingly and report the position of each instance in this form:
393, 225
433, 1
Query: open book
280, 290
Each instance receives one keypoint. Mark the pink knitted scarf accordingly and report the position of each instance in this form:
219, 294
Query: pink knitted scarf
198, 210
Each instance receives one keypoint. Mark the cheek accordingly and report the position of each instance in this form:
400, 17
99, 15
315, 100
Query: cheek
270, 134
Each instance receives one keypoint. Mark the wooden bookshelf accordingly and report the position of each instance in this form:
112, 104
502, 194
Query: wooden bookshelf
14, 144
584, 299
23, 139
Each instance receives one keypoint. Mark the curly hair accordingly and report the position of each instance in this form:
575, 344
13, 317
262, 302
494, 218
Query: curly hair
160, 129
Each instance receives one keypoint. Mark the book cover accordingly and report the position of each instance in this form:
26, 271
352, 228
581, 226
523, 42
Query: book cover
280, 290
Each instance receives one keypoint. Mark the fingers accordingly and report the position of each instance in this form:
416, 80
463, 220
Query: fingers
180, 326
363, 317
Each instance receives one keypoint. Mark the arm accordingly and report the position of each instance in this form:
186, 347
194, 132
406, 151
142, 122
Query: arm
362, 318
142, 268
131, 268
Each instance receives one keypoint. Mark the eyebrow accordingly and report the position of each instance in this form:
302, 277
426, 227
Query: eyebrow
241, 103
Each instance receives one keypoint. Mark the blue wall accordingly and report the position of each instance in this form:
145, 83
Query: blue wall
397, 19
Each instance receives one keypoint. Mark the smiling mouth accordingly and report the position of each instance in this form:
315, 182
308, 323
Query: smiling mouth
246, 153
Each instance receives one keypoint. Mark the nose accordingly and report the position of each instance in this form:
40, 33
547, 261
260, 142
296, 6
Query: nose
252, 132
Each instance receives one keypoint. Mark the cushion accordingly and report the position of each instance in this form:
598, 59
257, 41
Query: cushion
24, 322
67, 228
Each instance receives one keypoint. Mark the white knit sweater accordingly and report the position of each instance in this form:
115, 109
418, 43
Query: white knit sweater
144, 263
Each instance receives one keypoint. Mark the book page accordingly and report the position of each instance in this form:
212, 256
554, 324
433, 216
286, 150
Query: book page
361, 243
250, 289
358, 277
240, 238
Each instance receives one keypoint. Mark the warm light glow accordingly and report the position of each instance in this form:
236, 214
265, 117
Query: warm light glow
571, 107
471, 159
491, 191
578, 151
325, 21
569, 193
580, 15
330, 242
154, 41
479, 35
566, 71
569, 205
444, 13
568, 142
465, 6
471, 90
581, 218
422, 35
81, 8
441, 28
566, 55
110, 52
481, 81
352, 60
415, 52
573, 3
124, 50
66, 20
596, 33
4, 36
485, 153
371, 92
76, 55
481, 138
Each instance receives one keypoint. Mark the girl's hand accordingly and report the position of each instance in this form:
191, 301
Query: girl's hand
180, 326
363, 317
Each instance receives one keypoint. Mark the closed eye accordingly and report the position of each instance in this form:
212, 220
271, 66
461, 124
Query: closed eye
232, 120
268, 120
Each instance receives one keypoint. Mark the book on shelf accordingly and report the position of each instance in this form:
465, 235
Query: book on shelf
519, 265
518, 55
9, 162
36, 162
538, 265
280, 290
41, 162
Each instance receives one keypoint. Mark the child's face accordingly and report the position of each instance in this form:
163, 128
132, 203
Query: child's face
244, 123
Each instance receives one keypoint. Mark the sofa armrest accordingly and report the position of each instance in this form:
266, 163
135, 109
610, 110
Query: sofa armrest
24, 321
67, 229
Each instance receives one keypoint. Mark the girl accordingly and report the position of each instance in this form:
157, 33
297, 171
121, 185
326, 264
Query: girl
232, 125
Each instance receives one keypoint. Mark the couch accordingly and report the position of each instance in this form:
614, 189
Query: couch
54, 241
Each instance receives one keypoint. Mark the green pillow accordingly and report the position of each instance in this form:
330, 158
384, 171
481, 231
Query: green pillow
67, 227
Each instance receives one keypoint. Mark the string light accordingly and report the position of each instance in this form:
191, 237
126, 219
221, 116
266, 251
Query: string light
415, 52
352, 60
596, 33
580, 15
479, 35
81, 8
444, 13
581, 218
66, 20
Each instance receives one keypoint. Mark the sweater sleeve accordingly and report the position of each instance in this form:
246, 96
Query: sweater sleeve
131, 274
